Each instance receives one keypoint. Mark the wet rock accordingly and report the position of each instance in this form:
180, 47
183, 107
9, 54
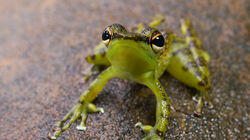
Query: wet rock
42, 49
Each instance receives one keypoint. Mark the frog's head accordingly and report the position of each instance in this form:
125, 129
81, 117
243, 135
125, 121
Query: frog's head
133, 51
150, 36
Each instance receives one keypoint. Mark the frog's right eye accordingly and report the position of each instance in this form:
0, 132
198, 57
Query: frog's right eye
107, 36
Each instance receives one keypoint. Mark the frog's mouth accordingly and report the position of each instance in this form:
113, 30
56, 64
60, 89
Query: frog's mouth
131, 56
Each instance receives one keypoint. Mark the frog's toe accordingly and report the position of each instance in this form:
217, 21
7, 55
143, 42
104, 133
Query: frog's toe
100, 109
199, 106
51, 137
150, 131
195, 98
81, 127
197, 113
72, 116
199, 98
210, 105
93, 109
145, 128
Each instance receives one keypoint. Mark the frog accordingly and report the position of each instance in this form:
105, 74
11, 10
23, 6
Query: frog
143, 55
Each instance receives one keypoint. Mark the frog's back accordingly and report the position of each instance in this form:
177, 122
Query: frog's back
189, 65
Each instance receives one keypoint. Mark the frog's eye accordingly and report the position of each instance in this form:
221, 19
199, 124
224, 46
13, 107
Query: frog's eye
107, 36
111, 32
157, 42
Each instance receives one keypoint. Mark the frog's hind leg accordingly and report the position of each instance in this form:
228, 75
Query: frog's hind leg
189, 34
192, 39
98, 59
157, 20
202, 58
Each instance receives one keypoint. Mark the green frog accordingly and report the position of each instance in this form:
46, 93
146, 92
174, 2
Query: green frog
143, 56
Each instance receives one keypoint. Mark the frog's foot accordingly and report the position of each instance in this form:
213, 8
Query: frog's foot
210, 104
152, 134
200, 101
199, 106
79, 110
196, 98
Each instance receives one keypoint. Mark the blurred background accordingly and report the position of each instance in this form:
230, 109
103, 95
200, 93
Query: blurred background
43, 44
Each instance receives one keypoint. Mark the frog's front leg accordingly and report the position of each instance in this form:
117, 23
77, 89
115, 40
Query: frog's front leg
98, 59
84, 105
162, 112
99, 56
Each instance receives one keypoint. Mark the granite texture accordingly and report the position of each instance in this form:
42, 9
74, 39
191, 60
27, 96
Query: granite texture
43, 44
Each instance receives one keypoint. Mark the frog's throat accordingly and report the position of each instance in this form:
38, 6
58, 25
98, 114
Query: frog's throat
131, 56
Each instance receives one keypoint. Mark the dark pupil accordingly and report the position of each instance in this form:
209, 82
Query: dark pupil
105, 35
158, 41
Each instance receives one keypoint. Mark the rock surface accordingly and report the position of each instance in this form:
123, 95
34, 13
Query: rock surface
43, 44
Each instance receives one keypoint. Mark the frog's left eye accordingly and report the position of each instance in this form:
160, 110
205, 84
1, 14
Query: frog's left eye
107, 36
157, 42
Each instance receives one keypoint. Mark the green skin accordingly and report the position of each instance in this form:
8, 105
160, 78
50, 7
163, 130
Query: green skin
128, 58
